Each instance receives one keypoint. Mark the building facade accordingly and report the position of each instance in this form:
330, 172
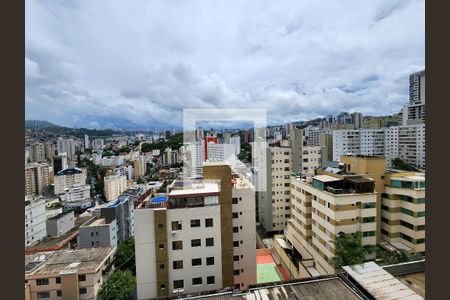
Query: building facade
97, 233
68, 178
35, 217
322, 207
114, 186
403, 211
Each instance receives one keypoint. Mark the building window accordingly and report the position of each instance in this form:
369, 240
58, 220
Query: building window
236, 258
176, 225
162, 287
83, 291
209, 242
235, 229
235, 215
178, 264
368, 205
82, 277
178, 284
58, 280
234, 200
210, 261
58, 293
196, 243
161, 246
420, 227
236, 272
407, 212
235, 244
368, 233
195, 223
196, 262
177, 245
161, 266
196, 281
210, 280
407, 225
421, 214
43, 295
209, 222
368, 219
42, 281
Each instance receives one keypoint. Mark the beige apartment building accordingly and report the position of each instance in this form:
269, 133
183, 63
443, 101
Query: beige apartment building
67, 274
403, 211
201, 239
323, 206
114, 186
69, 178
37, 178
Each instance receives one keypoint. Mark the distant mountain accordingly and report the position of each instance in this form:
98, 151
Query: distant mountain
33, 124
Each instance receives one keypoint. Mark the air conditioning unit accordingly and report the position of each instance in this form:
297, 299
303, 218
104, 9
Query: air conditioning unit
174, 232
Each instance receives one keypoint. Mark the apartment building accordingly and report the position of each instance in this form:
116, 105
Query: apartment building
274, 201
122, 211
374, 168
66, 146
59, 224
202, 238
414, 112
406, 143
372, 142
305, 158
114, 186
403, 210
322, 207
236, 141
37, 152
345, 142
97, 232
35, 218
67, 274
37, 178
76, 197
326, 145
69, 178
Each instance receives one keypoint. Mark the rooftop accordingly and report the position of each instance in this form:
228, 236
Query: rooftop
202, 187
82, 260
379, 283
69, 171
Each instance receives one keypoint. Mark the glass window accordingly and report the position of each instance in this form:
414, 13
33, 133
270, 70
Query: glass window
368, 205
195, 223
58, 280
176, 225
210, 280
178, 284
43, 281
236, 258
234, 200
82, 277
209, 242
196, 262
421, 214
210, 261
196, 243
196, 281
407, 211
58, 293
83, 291
177, 245
235, 229
43, 295
209, 222
177, 264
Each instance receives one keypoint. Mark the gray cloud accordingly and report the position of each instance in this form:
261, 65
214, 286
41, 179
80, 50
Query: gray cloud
139, 63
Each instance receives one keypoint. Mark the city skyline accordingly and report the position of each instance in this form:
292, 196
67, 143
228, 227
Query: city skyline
282, 58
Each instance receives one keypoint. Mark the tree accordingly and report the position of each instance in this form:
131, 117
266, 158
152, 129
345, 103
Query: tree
119, 285
349, 250
125, 257
140, 180
400, 164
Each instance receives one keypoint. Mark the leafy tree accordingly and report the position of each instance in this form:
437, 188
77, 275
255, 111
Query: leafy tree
107, 153
119, 285
349, 250
400, 164
140, 181
125, 257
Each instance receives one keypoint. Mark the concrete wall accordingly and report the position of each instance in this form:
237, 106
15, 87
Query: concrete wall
59, 226
98, 236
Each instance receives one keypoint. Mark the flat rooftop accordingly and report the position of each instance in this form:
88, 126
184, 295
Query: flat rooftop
205, 187
311, 289
415, 281
82, 260
59, 241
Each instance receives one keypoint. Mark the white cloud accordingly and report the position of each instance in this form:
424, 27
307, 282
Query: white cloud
142, 62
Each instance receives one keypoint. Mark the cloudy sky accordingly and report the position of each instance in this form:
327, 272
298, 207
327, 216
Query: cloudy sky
139, 63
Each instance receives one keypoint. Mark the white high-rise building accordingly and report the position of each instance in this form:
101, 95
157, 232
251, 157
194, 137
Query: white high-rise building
372, 142
236, 141
76, 196
68, 178
114, 186
406, 143
35, 218
86, 141
345, 142
66, 146
201, 239
222, 152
